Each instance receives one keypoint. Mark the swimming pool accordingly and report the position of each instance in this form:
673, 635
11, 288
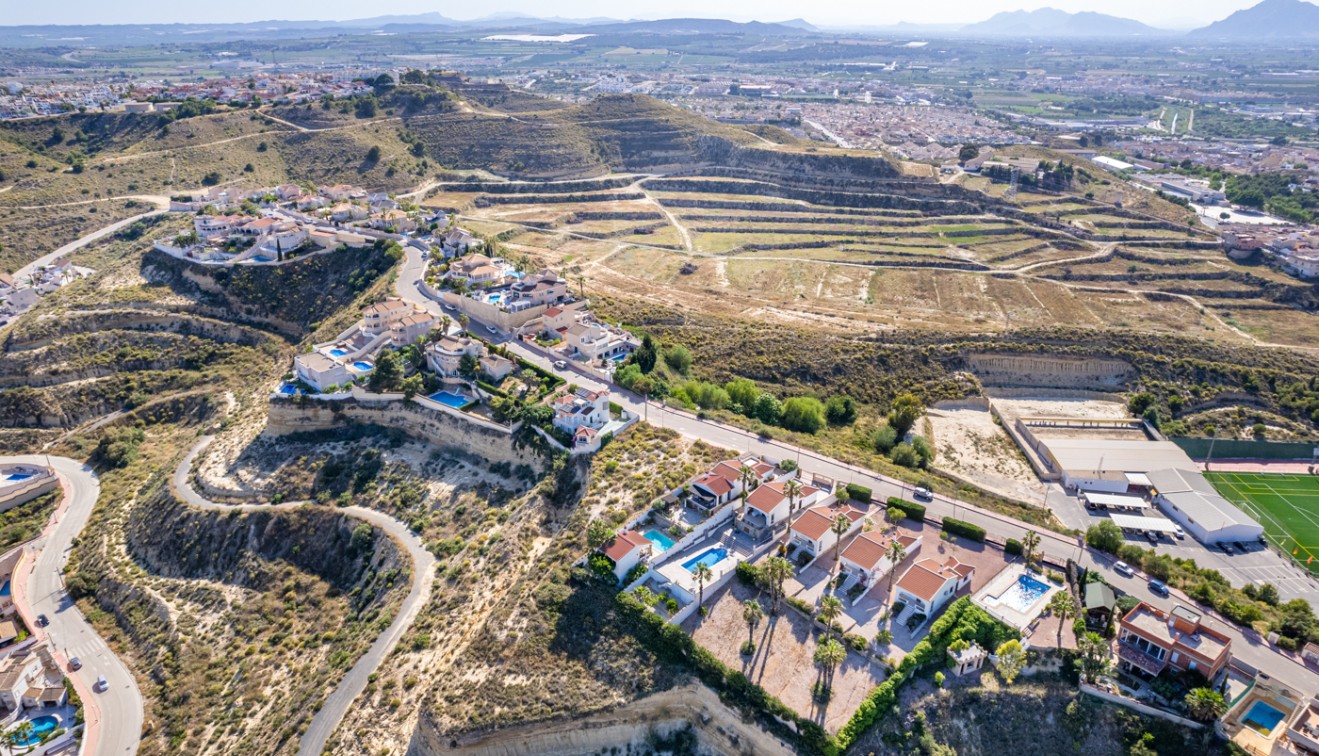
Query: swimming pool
16, 477
336, 352
363, 365
709, 558
262, 258
40, 726
661, 541
1262, 717
4, 590
288, 389
1022, 594
457, 401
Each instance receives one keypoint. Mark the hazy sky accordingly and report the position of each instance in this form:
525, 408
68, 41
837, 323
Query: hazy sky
1171, 13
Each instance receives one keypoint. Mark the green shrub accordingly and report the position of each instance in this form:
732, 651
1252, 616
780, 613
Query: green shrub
855, 642
859, 493
913, 510
1013, 547
964, 529
748, 573
801, 605
602, 566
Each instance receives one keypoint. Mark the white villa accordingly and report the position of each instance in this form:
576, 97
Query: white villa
866, 557
928, 584
319, 371
445, 356
585, 408
627, 550
32, 680
589, 341
769, 507
813, 531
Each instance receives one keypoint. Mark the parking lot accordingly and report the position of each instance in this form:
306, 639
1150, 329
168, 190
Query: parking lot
1257, 564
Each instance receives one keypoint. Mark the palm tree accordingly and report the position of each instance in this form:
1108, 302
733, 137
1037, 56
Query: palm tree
792, 489
752, 614
22, 735
1205, 704
777, 570
839, 526
463, 319
445, 321
830, 609
896, 553
581, 285
829, 654
1063, 607
747, 473
1029, 543
703, 575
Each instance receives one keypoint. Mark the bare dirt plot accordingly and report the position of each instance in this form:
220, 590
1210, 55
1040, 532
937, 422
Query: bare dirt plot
782, 663
973, 446
1045, 404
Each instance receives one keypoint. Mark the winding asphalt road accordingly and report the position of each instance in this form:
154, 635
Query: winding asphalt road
325, 721
114, 717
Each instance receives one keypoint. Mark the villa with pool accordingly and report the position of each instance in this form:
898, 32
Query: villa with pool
1016, 596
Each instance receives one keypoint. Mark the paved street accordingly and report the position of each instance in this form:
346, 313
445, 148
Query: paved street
327, 718
1258, 564
114, 717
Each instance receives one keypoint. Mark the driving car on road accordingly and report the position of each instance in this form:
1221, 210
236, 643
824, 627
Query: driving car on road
43, 620
75, 663
1159, 587
923, 493
492, 329
1122, 568
560, 365
101, 683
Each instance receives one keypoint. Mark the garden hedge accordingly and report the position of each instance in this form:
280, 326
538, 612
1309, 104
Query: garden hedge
913, 510
1013, 547
964, 529
859, 493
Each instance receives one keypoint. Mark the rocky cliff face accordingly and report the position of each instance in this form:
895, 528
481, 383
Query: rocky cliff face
291, 416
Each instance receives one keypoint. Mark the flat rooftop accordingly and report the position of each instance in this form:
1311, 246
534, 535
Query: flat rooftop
1082, 456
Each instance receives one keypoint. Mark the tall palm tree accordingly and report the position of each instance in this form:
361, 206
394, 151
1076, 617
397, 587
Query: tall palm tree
830, 609
829, 654
445, 321
896, 553
463, 320
1029, 543
746, 473
703, 575
1063, 607
777, 570
581, 285
752, 614
792, 489
839, 526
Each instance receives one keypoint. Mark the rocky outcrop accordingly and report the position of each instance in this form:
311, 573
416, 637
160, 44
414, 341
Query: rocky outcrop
299, 416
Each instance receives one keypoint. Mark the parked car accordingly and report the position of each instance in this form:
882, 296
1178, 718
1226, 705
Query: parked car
560, 365
1090, 505
923, 493
1241, 547
1159, 587
101, 683
43, 620
1122, 568
75, 663
1177, 531
1152, 536
1225, 547
492, 329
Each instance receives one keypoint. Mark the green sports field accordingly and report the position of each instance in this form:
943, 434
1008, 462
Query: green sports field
1286, 505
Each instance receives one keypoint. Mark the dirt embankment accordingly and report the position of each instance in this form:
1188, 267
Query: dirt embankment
718, 730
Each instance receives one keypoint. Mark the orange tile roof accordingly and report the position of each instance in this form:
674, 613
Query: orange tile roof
867, 549
766, 499
816, 521
623, 544
925, 578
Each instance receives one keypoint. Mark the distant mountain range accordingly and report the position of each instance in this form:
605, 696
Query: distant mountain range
1271, 19
1049, 22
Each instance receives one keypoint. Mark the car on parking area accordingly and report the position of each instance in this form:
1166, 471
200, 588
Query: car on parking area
1177, 531
1122, 568
1225, 547
1241, 547
1158, 586
1152, 536
922, 492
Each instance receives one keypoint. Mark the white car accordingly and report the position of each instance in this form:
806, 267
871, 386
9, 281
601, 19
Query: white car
923, 493
101, 684
1122, 568
493, 330
560, 365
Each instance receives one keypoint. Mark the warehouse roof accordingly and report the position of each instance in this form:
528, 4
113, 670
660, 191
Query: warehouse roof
1189, 492
1096, 456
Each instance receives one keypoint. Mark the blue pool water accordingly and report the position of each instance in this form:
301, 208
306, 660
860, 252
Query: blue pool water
457, 401
494, 298
4, 590
360, 365
1263, 717
1023, 594
662, 542
709, 558
15, 477
619, 357
288, 389
41, 726
337, 352
261, 258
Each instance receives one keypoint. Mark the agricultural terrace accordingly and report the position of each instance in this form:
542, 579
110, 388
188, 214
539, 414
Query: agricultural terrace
900, 255
1286, 505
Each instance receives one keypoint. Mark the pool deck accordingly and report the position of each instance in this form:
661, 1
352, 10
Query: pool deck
986, 598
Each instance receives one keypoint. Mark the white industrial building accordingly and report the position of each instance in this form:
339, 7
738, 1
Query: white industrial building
1110, 465
1187, 497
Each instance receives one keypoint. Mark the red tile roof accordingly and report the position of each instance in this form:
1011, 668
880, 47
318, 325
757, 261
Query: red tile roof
925, 578
623, 544
816, 521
